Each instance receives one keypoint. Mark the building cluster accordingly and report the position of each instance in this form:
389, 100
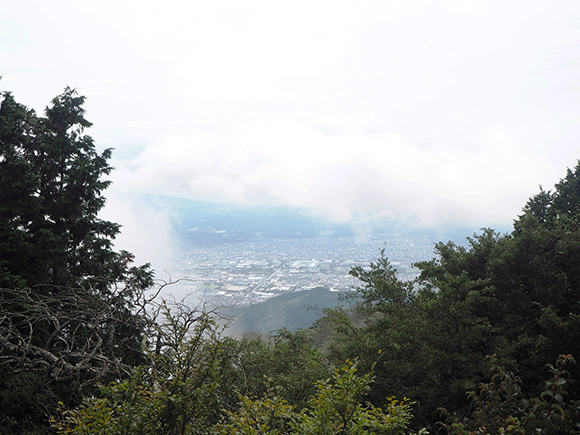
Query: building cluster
249, 272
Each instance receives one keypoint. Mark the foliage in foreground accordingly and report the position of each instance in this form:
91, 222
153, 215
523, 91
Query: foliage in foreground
70, 305
337, 407
501, 407
73, 312
516, 296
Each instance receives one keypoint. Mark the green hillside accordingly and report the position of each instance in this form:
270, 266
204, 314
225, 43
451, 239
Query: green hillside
483, 341
292, 311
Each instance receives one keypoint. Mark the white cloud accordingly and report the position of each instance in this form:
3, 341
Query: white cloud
146, 231
283, 161
434, 112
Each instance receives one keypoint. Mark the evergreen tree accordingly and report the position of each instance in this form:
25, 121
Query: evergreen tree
67, 299
50, 194
514, 295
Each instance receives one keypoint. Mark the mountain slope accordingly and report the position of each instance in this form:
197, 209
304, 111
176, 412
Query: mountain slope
297, 310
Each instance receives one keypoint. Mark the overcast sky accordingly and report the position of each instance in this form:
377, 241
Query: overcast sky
434, 112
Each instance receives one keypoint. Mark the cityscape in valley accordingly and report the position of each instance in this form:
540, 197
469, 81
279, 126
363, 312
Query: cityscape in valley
248, 272
235, 266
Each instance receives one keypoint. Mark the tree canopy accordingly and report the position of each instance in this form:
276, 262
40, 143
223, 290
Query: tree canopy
83, 349
67, 314
515, 296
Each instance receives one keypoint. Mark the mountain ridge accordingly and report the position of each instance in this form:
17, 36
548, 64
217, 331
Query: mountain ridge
292, 311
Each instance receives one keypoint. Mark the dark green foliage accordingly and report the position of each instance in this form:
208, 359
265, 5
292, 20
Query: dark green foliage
381, 290
178, 391
287, 360
24, 400
73, 313
501, 406
18, 184
513, 295
424, 344
68, 300
140, 406
51, 186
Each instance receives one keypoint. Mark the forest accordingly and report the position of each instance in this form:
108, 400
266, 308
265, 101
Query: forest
482, 342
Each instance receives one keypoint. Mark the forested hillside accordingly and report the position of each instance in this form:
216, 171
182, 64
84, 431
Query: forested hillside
482, 342
293, 311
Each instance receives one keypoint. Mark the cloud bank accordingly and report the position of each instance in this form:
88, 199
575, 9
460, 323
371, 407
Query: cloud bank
434, 113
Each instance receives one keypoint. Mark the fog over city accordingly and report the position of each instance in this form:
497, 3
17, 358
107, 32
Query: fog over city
432, 113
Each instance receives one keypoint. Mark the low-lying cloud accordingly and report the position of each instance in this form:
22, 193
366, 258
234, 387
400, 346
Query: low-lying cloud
284, 162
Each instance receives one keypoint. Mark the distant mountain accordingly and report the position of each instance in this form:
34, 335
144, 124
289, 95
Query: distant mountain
203, 223
207, 223
298, 310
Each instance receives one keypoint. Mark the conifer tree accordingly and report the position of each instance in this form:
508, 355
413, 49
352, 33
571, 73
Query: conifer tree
68, 314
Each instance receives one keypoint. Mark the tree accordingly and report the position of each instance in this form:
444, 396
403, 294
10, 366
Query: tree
288, 360
501, 407
69, 312
431, 341
178, 391
18, 188
50, 194
513, 295
336, 407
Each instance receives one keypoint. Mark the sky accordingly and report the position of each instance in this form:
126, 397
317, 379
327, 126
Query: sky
433, 113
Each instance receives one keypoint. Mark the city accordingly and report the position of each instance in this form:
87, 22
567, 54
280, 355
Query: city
252, 271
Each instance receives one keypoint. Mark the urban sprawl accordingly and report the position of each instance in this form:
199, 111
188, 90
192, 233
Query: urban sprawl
250, 272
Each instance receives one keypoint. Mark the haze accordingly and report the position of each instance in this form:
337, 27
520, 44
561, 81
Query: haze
435, 113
